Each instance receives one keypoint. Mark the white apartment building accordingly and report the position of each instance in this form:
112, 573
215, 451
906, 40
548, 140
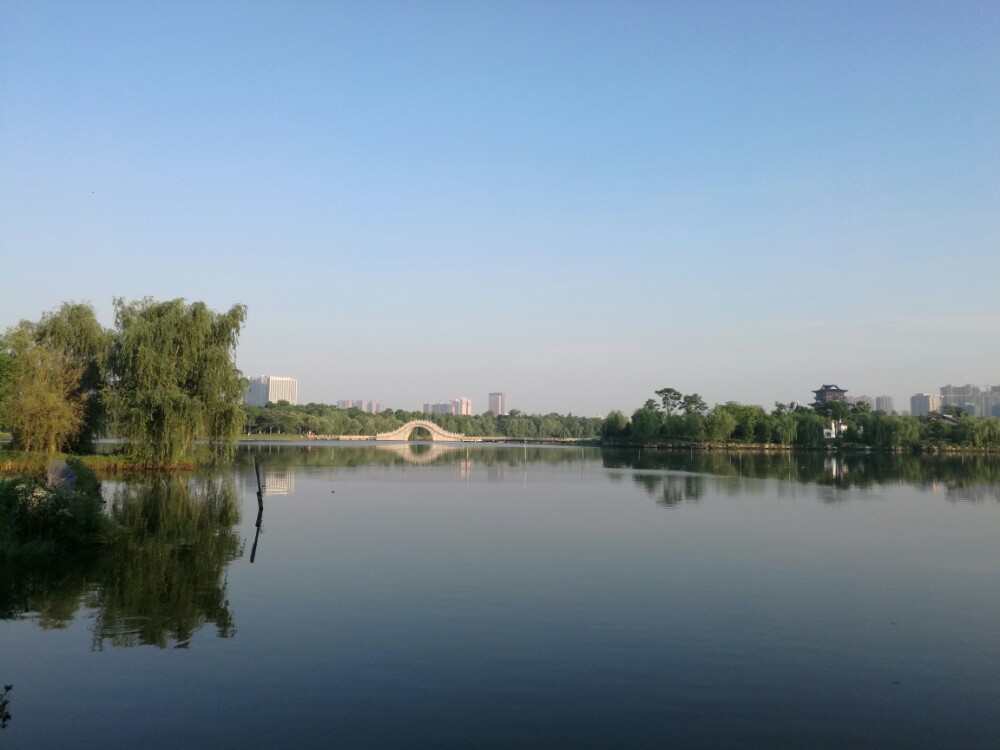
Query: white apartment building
271, 389
922, 404
884, 403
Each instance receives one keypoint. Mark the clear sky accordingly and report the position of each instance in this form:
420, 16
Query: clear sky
576, 203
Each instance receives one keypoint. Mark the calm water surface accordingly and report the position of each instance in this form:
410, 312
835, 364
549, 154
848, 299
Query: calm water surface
523, 597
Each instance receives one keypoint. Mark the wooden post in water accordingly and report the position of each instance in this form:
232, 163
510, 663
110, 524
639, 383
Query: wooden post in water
260, 509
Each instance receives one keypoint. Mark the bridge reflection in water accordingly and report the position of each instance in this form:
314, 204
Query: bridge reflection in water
420, 453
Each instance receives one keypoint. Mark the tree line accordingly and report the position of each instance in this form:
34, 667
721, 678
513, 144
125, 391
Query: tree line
323, 419
162, 378
679, 417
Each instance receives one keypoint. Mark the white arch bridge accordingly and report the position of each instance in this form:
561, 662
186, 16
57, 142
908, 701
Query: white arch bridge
437, 434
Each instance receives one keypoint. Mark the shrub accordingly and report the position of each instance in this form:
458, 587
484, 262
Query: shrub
38, 520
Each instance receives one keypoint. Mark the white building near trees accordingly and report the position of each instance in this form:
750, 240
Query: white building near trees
271, 389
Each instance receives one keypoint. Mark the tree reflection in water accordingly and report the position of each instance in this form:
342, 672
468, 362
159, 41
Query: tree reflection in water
161, 581
167, 578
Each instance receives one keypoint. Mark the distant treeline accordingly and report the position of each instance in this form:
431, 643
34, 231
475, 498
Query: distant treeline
686, 418
322, 419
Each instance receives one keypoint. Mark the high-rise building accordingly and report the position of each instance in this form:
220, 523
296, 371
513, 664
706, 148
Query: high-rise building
962, 396
459, 405
498, 404
271, 389
866, 400
922, 404
376, 407
883, 403
988, 398
351, 403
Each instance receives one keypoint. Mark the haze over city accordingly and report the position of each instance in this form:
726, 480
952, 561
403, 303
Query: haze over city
575, 204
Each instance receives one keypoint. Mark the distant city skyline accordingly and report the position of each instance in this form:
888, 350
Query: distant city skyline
743, 200
980, 401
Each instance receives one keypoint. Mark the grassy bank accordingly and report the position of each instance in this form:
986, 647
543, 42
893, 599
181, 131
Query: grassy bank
35, 465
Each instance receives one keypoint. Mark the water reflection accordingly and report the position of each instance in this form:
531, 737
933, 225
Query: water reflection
5, 706
158, 584
671, 489
838, 471
859, 470
281, 456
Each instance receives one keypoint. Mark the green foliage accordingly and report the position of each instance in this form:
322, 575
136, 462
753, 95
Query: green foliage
158, 578
179, 533
693, 404
719, 424
38, 520
692, 426
809, 428
646, 423
74, 331
784, 427
40, 398
50, 378
173, 378
671, 399
686, 418
322, 419
48, 409
615, 425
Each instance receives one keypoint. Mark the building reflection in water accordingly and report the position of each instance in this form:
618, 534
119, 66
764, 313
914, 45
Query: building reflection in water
278, 481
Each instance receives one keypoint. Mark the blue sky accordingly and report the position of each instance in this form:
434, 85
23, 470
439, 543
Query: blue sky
574, 203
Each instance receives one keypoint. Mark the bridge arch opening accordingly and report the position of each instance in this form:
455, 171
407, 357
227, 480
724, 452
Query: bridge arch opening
419, 433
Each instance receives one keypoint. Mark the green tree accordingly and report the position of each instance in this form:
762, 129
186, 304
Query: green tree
74, 331
692, 426
908, 431
836, 410
13, 343
671, 399
615, 425
646, 423
40, 398
719, 424
521, 428
48, 410
173, 378
783, 427
693, 404
809, 428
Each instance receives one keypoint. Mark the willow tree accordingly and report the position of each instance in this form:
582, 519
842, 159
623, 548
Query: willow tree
74, 332
173, 378
40, 399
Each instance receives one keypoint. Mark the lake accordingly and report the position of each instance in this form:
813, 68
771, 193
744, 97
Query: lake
420, 596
